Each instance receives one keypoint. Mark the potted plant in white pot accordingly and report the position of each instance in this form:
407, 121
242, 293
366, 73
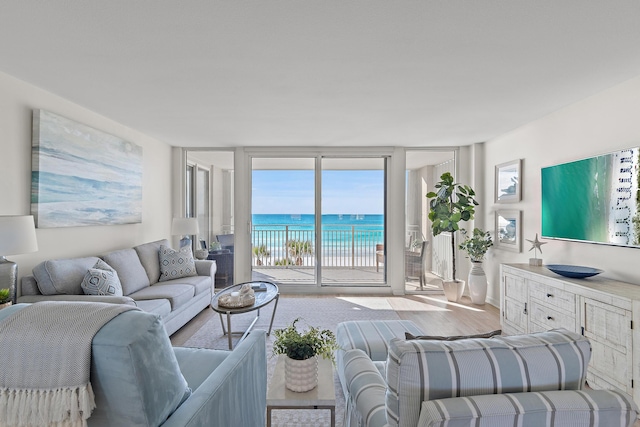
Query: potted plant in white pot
450, 204
301, 350
476, 247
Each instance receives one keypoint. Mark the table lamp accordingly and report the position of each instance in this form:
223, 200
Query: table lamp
17, 236
186, 227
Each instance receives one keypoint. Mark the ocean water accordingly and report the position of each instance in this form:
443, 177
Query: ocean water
302, 221
339, 232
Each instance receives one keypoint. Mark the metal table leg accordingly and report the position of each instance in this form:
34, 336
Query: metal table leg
273, 314
229, 330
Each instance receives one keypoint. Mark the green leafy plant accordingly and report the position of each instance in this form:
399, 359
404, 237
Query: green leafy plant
5, 295
477, 244
298, 248
450, 204
261, 252
304, 345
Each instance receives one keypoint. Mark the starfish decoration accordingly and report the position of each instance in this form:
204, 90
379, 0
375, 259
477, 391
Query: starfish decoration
536, 245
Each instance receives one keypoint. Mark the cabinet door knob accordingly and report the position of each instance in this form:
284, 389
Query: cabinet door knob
549, 295
549, 318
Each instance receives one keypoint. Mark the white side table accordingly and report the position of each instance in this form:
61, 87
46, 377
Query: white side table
321, 397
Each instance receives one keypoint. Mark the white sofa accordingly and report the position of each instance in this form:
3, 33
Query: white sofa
177, 300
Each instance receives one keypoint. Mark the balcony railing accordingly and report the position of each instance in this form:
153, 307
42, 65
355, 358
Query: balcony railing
281, 246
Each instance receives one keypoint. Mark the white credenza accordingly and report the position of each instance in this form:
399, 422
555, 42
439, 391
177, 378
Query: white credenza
606, 311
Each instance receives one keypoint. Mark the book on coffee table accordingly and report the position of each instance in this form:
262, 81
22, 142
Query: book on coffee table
259, 287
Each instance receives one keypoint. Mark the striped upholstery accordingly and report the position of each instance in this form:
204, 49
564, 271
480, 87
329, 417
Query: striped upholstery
539, 409
427, 370
365, 405
373, 336
370, 336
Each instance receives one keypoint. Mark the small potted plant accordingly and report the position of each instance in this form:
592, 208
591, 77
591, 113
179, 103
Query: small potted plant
301, 350
5, 298
450, 204
477, 246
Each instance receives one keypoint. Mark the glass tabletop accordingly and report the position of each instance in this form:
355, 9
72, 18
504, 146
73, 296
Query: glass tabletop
263, 297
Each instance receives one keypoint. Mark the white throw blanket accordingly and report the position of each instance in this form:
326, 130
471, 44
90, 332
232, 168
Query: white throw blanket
45, 351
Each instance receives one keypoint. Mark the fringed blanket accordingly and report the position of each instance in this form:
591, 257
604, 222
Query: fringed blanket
45, 351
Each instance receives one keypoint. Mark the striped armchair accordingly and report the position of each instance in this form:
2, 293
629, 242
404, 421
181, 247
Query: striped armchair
529, 380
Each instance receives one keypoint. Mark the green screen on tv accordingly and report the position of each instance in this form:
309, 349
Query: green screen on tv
593, 200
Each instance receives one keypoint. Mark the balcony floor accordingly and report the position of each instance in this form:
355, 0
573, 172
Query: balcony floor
334, 276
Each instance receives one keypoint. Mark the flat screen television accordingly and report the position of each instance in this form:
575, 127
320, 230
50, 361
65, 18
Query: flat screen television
593, 200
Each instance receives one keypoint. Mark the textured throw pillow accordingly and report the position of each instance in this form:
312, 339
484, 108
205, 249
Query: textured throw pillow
176, 264
101, 280
410, 336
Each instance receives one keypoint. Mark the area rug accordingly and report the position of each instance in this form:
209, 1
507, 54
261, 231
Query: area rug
321, 312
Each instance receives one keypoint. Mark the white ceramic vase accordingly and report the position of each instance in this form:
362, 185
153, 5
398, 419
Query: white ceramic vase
301, 375
453, 289
477, 283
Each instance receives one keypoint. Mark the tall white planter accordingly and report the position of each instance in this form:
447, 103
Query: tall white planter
477, 283
453, 289
301, 375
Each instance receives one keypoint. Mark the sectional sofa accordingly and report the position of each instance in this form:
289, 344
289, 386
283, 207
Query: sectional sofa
143, 281
140, 380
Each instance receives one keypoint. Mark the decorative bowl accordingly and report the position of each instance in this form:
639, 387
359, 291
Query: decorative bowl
573, 271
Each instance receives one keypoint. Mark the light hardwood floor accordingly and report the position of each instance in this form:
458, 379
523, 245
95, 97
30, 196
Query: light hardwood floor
433, 314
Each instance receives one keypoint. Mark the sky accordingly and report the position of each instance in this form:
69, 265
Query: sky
292, 192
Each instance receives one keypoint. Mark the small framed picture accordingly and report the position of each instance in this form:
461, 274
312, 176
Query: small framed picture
508, 230
203, 244
508, 182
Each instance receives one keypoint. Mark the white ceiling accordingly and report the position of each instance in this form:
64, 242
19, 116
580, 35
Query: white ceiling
414, 73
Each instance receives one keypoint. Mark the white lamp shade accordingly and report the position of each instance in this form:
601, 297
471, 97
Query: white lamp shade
17, 235
184, 226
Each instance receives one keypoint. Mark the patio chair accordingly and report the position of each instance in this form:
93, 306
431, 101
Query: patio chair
415, 262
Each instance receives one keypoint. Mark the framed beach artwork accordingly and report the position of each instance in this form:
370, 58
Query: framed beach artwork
82, 176
508, 230
508, 182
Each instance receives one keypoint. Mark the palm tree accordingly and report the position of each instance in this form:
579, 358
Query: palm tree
261, 252
298, 248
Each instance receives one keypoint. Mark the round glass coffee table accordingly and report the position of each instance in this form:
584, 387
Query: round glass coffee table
265, 292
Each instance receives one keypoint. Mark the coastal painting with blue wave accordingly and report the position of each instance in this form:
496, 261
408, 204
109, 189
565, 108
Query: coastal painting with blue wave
82, 176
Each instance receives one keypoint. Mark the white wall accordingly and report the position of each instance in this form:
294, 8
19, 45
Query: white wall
17, 101
605, 122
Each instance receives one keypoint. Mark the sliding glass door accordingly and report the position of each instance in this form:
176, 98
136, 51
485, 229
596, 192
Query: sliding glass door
283, 232
318, 220
353, 221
